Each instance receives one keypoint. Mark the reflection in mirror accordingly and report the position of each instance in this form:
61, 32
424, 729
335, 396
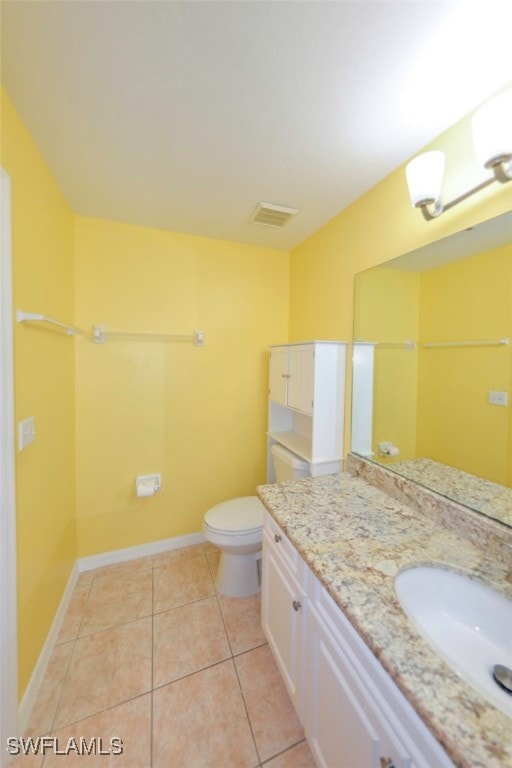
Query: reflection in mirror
433, 367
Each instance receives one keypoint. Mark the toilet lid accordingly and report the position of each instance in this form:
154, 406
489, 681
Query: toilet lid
242, 514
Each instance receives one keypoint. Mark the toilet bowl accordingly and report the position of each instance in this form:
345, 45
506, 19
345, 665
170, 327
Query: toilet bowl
236, 528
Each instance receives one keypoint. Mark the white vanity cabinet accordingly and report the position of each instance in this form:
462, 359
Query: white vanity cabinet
353, 714
284, 609
342, 725
306, 402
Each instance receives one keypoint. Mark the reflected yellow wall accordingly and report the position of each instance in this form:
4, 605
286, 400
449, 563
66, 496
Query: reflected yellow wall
377, 227
469, 299
43, 276
197, 415
388, 305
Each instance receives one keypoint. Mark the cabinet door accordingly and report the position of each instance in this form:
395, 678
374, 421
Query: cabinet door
342, 726
278, 375
301, 370
283, 607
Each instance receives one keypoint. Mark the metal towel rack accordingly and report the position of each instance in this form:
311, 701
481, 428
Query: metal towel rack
408, 345
27, 317
479, 343
100, 335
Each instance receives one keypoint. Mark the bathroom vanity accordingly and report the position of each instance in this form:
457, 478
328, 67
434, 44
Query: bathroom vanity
369, 690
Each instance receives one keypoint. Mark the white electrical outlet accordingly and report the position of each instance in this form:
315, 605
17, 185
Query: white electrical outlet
498, 398
26, 432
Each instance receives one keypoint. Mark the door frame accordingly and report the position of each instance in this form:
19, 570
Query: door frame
8, 590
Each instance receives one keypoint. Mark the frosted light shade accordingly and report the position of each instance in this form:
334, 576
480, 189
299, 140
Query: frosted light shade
424, 177
492, 130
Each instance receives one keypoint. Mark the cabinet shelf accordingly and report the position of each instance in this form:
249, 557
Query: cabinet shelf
300, 445
294, 442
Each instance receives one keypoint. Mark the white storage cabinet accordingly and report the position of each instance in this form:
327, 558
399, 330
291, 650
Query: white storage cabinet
353, 714
306, 402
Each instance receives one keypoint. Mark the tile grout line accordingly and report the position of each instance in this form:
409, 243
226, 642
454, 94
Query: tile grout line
219, 605
182, 605
53, 726
105, 709
284, 751
234, 666
114, 626
233, 657
247, 713
71, 655
139, 618
236, 671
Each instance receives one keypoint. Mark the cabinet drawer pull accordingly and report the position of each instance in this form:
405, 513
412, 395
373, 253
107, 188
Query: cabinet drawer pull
286, 376
386, 762
277, 537
297, 605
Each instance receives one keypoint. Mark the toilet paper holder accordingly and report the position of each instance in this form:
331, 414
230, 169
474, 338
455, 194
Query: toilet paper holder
388, 449
147, 485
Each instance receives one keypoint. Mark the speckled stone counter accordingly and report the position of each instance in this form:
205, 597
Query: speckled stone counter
355, 538
482, 495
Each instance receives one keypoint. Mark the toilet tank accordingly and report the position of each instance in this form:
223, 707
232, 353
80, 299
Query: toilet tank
287, 465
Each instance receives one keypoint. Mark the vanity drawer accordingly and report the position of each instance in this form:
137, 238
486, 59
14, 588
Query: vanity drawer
282, 546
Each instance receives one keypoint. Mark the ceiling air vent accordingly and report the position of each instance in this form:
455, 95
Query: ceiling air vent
272, 215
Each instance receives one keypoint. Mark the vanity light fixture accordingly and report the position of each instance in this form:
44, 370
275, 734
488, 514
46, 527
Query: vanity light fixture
492, 138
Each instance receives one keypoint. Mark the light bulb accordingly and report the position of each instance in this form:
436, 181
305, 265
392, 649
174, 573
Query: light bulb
492, 131
424, 178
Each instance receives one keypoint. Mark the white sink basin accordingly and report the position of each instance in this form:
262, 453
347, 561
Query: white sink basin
465, 622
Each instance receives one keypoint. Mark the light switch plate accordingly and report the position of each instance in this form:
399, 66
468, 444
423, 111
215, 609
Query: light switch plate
26, 432
498, 398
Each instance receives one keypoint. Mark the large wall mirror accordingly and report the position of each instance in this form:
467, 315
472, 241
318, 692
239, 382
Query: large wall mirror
432, 390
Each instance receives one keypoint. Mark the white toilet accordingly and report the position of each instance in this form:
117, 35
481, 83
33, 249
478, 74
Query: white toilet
236, 527
287, 465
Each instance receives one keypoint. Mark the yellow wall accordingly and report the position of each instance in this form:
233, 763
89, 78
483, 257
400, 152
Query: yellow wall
469, 299
197, 415
43, 276
375, 228
388, 306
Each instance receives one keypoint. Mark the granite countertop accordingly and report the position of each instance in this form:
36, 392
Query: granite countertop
483, 495
355, 538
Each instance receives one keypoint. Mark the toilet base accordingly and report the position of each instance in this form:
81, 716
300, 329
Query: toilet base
239, 575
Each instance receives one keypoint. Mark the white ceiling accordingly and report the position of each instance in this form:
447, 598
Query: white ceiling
183, 115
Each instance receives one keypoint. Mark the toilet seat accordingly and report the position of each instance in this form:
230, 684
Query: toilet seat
242, 516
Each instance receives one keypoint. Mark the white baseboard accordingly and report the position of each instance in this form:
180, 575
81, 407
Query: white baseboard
81, 565
141, 550
39, 672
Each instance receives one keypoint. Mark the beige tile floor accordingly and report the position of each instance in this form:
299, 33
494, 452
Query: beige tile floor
150, 654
